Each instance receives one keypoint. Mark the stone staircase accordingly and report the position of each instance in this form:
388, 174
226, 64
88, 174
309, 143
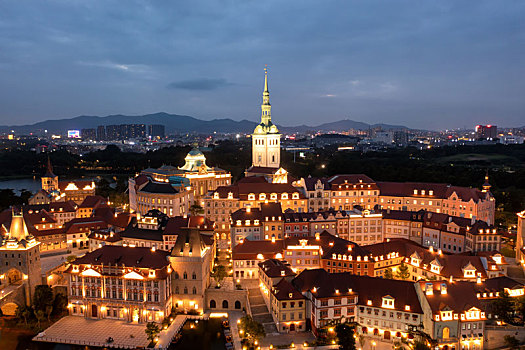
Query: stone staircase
260, 312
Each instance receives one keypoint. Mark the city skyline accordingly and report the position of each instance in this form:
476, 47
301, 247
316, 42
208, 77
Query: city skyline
426, 66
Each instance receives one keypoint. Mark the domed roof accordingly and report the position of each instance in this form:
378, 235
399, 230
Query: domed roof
195, 152
263, 128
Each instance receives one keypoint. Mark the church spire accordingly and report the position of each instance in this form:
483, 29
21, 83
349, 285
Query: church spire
266, 108
49, 172
486, 186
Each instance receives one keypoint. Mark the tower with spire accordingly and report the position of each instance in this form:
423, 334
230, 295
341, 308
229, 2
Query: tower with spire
266, 139
49, 180
486, 185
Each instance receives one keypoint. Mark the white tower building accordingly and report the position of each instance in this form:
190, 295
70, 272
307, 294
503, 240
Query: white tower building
266, 139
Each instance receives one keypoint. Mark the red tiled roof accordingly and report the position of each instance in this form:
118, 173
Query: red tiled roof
249, 250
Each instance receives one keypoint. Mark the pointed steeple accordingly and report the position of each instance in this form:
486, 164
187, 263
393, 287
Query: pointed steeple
266, 108
18, 228
49, 172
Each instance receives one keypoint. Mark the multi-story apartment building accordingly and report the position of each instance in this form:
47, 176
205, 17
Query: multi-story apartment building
470, 203
385, 309
263, 223
329, 298
453, 315
284, 302
153, 230
344, 192
131, 284
403, 224
433, 264
249, 192
318, 192
173, 197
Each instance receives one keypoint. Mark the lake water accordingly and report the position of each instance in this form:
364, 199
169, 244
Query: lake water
29, 184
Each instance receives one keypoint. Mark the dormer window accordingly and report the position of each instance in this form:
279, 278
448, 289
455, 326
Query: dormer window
446, 315
262, 196
388, 302
273, 196
469, 271
407, 307
429, 289
295, 195
230, 195
216, 195
151, 274
284, 196
251, 197
415, 191
435, 266
422, 192
282, 272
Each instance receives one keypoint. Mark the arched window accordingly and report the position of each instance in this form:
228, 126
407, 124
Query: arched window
185, 275
194, 276
225, 304
194, 291
185, 290
177, 290
176, 275
213, 304
237, 304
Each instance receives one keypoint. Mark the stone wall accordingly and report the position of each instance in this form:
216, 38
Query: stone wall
225, 299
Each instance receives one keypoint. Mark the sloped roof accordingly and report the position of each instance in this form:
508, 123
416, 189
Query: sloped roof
159, 187
249, 250
189, 243
276, 268
140, 257
460, 296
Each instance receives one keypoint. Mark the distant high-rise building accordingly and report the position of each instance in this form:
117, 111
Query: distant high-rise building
401, 137
101, 132
486, 131
156, 130
113, 132
133, 131
88, 134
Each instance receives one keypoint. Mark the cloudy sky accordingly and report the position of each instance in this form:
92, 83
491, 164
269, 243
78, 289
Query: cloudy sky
424, 64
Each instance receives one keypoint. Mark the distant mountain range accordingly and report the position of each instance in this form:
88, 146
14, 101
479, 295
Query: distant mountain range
181, 124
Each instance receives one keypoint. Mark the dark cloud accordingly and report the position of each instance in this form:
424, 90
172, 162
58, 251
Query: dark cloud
425, 64
199, 84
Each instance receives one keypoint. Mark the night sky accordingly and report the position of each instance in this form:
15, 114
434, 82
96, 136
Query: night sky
423, 64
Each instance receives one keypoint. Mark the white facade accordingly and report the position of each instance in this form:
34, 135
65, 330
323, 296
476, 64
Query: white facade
266, 139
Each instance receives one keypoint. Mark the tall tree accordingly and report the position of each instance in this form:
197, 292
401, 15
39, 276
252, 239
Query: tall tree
388, 274
345, 336
219, 273
502, 307
43, 297
152, 330
252, 330
403, 272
